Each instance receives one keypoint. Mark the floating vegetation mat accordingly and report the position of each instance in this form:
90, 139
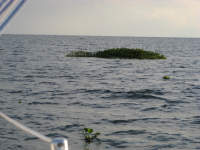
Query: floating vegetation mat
122, 53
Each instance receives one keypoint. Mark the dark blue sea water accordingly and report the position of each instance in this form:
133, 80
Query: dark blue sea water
126, 100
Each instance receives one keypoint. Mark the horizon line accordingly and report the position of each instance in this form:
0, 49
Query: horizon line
139, 36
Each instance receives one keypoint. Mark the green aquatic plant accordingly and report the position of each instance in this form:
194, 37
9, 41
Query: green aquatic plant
166, 77
89, 135
79, 54
125, 53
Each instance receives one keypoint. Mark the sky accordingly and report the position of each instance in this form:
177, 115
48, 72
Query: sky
149, 18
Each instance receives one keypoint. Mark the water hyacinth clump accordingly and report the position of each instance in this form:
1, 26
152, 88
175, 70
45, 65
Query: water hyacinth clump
121, 53
89, 135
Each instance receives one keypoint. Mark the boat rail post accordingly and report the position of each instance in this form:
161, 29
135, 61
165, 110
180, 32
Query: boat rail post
59, 144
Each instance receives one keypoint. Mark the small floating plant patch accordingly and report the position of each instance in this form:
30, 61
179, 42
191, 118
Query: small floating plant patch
122, 53
166, 77
90, 135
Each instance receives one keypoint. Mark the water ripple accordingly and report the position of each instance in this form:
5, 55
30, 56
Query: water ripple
128, 132
116, 143
122, 121
43, 103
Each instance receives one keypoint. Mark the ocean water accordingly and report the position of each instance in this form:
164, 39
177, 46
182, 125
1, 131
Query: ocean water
126, 100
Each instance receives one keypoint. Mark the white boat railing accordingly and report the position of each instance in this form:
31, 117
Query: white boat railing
55, 144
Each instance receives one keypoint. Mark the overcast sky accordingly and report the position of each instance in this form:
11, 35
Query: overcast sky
155, 18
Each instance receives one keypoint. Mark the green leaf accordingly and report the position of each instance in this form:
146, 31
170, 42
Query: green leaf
88, 130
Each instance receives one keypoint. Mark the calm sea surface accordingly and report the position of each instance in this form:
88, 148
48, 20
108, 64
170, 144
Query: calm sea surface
126, 100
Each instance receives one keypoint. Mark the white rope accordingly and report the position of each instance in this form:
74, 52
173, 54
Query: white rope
26, 129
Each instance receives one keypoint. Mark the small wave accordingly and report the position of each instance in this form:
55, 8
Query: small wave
2, 102
88, 105
173, 102
48, 83
128, 104
56, 135
60, 93
162, 138
196, 87
129, 120
69, 128
9, 138
15, 91
29, 76
150, 109
162, 146
30, 139
43, 103
146, 94
36, 123
128, 132
139, 94
196, 120
98, 106
17, 117
116, 143
38, 93
95, 91
52, 135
